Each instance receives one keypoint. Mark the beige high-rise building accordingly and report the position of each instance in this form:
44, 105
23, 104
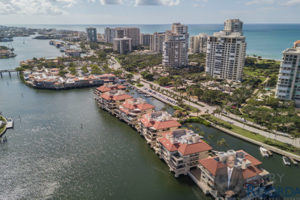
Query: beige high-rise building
175, 50
145, 39
175, 46
198, 43
122, 45
288, 84
233, 25
134, 34
156, 42
179, 28
225, 55
121, 32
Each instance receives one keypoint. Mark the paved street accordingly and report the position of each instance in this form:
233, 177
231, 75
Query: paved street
205, 108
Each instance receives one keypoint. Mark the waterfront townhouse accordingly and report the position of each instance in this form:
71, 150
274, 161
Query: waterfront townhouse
153, 125
257, 180
107, 78
132, 109
181, 149
108, 87
111, 100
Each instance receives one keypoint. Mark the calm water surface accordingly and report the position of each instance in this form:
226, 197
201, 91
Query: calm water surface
49, 156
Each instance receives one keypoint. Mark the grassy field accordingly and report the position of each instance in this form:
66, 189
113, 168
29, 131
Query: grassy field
256, 137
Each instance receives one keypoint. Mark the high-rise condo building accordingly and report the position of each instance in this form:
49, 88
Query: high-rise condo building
145, 39
122, 45
198, 43
121, 32
134, 34
91, 34
175, 46
156, 42
288, 85
233, 25
109, 35
225, 56
226, 52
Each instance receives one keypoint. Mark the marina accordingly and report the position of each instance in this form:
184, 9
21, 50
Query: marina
163, 134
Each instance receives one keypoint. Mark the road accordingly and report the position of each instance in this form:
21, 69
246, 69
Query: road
205, 108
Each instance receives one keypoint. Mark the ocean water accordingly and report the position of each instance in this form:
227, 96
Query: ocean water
266, 40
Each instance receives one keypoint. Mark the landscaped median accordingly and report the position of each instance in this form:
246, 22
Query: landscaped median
253, 136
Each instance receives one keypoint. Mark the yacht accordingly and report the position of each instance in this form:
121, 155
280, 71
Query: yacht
263, 152
286, 160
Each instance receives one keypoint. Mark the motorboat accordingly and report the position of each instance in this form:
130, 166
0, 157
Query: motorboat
263, 152
285, 160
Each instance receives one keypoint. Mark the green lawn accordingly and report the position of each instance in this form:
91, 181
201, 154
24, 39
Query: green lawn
258, 137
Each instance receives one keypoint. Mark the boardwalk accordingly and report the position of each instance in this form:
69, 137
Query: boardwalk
9, 71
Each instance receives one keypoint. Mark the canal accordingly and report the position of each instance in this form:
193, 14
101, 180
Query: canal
64, 147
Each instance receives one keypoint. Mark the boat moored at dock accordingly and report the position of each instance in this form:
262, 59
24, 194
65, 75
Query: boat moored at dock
264, 152
286, 161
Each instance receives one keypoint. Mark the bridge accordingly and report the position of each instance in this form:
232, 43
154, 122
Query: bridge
9, 71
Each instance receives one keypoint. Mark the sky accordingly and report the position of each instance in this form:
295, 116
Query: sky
147, 11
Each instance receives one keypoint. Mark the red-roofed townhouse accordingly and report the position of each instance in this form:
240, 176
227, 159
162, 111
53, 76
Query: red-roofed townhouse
181, 150
111, 100
132, 109
108, 87
256, 178
153, 125
108, 78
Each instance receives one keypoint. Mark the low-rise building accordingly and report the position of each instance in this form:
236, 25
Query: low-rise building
258, 183
153, 125
181, 149
108, 87
132, 109
110, 101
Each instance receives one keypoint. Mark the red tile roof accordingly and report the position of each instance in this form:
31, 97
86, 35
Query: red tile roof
121, 97
211, 165
159, 124
186, 149
168, 145
166, 124
253, 160
251, 172
107, 88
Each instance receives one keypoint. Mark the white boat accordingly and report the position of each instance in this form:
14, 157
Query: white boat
263, 152
10, 123
286, 160
294, 161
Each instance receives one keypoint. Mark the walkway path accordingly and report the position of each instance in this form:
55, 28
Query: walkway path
205, 108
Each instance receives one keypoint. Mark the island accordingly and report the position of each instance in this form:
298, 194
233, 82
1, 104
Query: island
6, 52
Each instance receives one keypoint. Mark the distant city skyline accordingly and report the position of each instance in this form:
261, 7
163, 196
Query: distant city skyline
147, 11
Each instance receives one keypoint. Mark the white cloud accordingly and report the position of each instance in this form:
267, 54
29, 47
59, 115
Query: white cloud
111, 2
35, 7
292, 2
253, 2
157, 2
